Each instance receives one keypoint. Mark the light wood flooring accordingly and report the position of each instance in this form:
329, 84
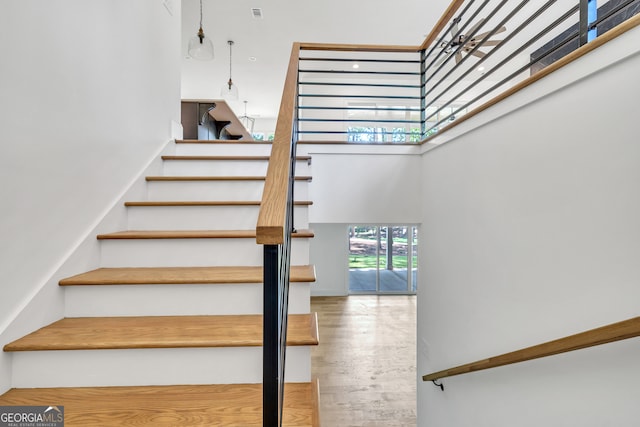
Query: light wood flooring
366, 360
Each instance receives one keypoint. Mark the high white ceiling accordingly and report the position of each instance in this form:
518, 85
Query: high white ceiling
269, 40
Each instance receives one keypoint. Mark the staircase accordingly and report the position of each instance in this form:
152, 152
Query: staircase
168, 332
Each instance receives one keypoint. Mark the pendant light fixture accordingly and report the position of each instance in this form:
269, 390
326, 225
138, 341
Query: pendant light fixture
229, 90
247, 121
200, 47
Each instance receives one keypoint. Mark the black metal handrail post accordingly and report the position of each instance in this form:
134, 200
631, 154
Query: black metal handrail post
277, 266
274, 230
271, 323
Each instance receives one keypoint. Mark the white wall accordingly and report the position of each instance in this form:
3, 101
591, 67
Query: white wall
90, 93
356, 184
329, 253
363, 183
530, 232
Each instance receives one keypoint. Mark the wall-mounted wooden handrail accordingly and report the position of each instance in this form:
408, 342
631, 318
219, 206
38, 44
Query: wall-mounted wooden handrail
603, 335
270, 229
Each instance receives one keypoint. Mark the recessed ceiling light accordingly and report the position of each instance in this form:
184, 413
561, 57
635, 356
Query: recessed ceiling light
481, 69
253, 59
356, 66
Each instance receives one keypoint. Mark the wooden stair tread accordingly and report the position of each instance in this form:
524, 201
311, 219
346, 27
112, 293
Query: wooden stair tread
230, 158
208, 203
190, 234
93, 333
182, 275
214, 178
237, 405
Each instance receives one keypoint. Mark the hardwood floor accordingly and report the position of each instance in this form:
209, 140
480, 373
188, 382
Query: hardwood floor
366, 360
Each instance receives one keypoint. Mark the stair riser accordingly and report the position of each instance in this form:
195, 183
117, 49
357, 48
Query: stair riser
176, 300
191, 252
214, 190
202, 217
224, 168
130, 367
223, 149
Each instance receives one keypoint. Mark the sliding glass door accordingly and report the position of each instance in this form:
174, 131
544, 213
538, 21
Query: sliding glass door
383, 259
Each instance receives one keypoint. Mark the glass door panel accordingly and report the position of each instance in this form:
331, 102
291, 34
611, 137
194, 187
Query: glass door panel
383, 254
393, 273
413, 248
382, 259
363, 262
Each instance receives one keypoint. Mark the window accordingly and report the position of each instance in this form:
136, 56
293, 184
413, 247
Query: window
382, 134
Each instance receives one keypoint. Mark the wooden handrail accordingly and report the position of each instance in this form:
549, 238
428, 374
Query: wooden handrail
358, 47
442, 22
603, 335
270, 229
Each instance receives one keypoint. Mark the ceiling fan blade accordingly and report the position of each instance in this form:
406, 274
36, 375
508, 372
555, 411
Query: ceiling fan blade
478, 54
480, 36
492, 43
475, 28
501, 30
483, 35
458, 57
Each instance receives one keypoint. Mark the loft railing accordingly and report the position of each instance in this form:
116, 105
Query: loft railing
359, 93
603, 335
483, 49
478, 53
273, 230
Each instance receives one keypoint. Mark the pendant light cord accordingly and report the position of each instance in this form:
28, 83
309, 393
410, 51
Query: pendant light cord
200, 13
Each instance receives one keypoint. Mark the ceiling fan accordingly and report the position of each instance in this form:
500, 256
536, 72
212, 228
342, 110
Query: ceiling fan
461, 43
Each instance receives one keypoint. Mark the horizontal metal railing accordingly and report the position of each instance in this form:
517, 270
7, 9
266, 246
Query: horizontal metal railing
359, 93
489, 47
479, 50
